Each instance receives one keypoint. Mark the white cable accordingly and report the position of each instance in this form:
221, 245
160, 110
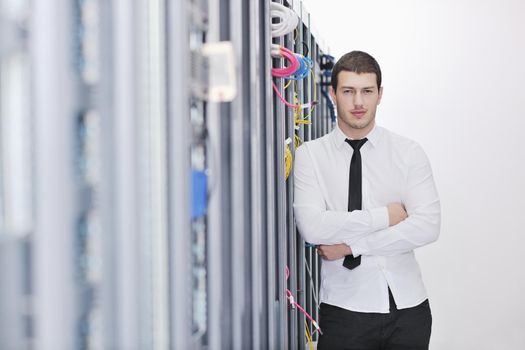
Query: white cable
314, 292
275, 50
288, 19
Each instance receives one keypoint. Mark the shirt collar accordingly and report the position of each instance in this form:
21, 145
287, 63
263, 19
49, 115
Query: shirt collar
339, 136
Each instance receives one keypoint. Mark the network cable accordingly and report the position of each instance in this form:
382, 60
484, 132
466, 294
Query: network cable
308, 336
288, 161
282, 52
326, 65
305, 66
294, 304
330, 104
289, 71
301, 106
288, 19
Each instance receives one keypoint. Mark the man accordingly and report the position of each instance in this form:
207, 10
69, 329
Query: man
367, 198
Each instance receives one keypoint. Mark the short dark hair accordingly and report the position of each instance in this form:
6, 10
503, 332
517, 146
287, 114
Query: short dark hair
357, 62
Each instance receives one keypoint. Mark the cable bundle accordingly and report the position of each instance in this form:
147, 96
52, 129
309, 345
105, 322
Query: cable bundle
288, 19
305, 64
282, 52
327, 63
299, 68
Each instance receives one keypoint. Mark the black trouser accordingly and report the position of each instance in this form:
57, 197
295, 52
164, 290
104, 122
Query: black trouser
407, 329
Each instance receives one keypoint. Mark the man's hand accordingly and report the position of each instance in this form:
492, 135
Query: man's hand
396, 213
333, 251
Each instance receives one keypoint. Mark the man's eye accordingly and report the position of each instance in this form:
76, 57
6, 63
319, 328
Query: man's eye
368, 91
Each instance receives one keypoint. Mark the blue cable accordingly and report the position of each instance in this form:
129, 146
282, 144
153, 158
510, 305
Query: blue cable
330, 104
305, 65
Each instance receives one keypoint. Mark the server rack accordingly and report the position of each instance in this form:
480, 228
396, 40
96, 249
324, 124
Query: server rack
151, 215
250, 234
17, 215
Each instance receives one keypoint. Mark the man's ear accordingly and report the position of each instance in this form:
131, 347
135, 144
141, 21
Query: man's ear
380, 95
332, 94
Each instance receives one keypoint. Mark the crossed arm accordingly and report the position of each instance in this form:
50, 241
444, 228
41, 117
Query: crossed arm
396, 214
391, 230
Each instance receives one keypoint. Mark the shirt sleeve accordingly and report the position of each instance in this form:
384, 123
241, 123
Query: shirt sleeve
422, 204
318, 225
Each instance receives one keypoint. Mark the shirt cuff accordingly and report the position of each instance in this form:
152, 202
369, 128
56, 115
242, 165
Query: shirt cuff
380, 219
359, 247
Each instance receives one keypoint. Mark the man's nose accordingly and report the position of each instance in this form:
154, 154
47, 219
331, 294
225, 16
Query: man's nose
358, 99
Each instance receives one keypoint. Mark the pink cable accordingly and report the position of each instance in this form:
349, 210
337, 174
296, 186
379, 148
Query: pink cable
287, 71
293, 302
282, 98
305, 105
291, 69
309, 317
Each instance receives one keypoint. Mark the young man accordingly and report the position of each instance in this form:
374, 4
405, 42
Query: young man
367, 198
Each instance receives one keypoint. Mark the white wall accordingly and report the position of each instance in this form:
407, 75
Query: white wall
453, 74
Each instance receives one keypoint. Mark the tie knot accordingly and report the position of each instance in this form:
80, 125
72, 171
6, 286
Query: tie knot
356, 144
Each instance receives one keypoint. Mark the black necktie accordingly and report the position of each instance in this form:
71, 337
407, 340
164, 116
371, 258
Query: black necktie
354, 191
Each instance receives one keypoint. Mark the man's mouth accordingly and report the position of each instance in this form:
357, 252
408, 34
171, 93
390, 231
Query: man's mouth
358, 113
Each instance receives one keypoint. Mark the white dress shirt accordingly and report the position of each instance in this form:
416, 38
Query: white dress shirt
395, 169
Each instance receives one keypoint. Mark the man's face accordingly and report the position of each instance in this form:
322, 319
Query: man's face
356, 98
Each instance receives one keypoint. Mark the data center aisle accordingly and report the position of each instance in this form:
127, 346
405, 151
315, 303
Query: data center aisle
146, 161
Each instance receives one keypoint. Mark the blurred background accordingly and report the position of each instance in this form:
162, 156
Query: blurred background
146, 152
